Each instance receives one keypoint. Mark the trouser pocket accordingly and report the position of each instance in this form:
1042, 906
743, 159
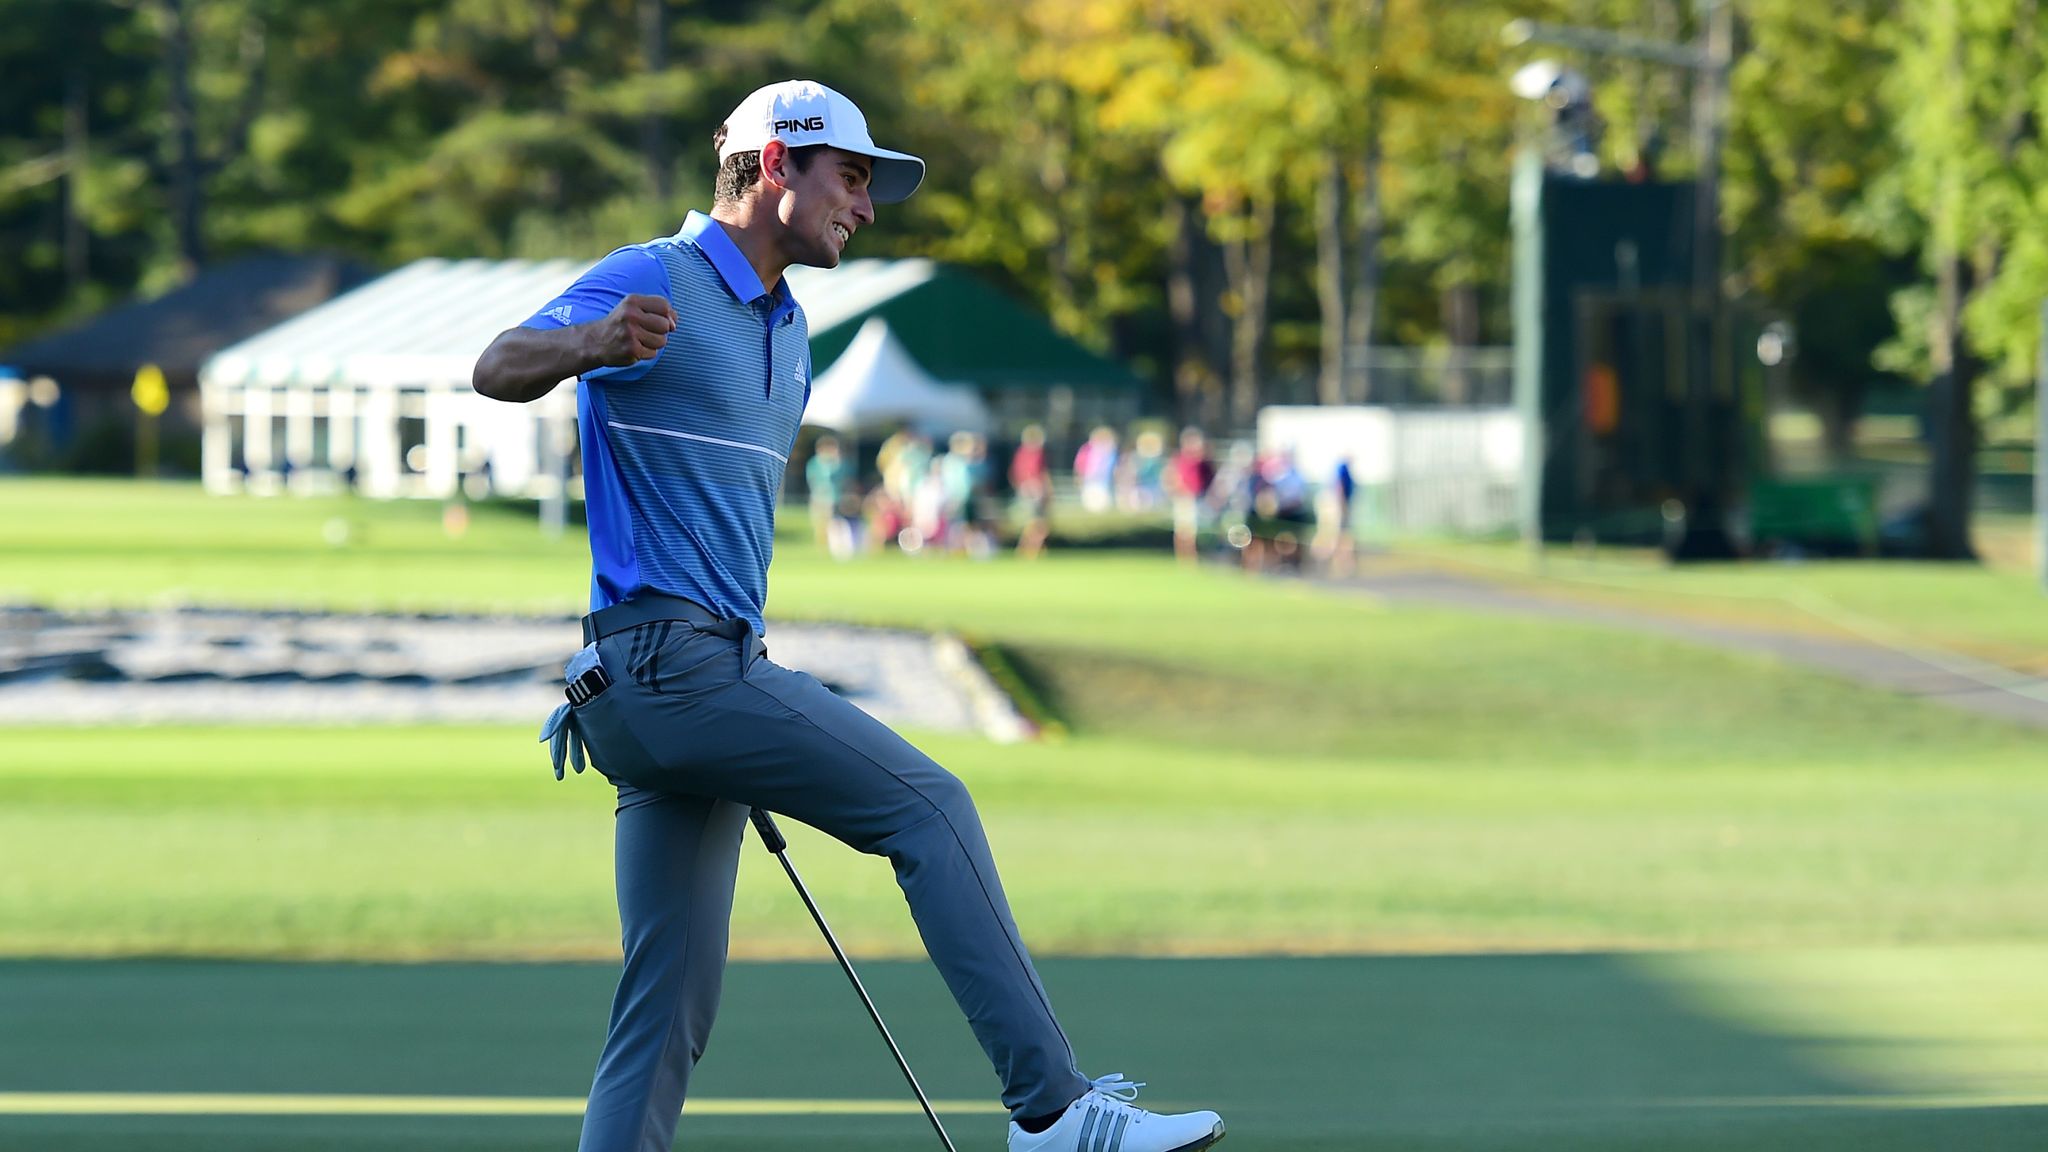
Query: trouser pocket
608, 735
670, 714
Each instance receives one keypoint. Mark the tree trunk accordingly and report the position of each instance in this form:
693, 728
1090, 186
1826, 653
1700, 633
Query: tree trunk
653, 129
547, 45
1365, 288
1459, 308
187, 209
1330, 280
1250, 263
1195, 378
1061, 259
77, 137
1367, 219
1953, 471
1837, 408
254, 51
547, 51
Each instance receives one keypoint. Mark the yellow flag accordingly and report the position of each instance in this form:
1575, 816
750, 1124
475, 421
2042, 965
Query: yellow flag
152, 393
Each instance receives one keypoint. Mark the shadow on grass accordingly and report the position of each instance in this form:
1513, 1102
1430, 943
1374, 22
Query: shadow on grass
1490, 1053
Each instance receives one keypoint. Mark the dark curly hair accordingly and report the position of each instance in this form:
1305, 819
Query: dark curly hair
742, 170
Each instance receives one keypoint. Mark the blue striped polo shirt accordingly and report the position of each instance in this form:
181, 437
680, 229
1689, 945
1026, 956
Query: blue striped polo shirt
683, 455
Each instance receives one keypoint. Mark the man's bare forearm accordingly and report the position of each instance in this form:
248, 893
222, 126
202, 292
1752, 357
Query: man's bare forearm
525, 364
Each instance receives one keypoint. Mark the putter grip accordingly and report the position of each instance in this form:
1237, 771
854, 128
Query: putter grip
771, 836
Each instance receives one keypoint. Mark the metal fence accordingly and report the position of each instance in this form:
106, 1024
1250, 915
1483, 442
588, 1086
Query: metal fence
1412, 377
1386, 376
1417, 469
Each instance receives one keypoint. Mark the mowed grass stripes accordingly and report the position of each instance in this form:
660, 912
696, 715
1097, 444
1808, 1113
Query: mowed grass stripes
440, 843
1826, 1050
280, 1104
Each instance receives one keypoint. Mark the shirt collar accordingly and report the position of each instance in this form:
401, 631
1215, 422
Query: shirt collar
733, 268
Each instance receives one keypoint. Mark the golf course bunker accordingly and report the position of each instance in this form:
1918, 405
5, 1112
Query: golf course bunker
193, 666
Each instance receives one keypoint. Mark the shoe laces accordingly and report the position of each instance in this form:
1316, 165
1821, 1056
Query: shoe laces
1116, 1087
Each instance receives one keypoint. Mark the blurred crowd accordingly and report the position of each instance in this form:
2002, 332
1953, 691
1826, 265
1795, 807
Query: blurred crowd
951, 497
926, 499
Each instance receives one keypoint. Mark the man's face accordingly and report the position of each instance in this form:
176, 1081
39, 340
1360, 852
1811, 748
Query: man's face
822, 205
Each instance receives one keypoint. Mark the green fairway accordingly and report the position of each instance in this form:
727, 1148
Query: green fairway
1263, 766
92, 542
1121, 643
1783, 911
1493, 1053
1993, 612
438, 842
87, 543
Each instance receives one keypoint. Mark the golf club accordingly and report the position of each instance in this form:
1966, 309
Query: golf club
771, 838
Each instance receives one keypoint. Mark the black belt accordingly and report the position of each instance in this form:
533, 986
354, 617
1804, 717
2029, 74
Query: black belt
648, 607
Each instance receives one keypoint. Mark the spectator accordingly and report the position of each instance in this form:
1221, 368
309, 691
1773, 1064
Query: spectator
1032, 482
1334, 543
1095, 469
957, 479
829, 478
1235, 495
1145, 488
1189, 477
1288, 487
902, 459
917, 464
968, 499
885, 518
1280, 511
929, 519
889, 461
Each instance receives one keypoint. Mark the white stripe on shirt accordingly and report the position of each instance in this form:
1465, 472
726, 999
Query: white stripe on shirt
784, 460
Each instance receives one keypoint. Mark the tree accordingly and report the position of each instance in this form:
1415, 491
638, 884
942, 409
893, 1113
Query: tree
1243, 123
1809, 139
1134, 66
1025, 181
511, 129
1967, 98
1449, 193
69, 165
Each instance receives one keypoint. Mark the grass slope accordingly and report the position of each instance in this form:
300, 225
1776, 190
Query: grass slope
1255, 766
1993, 612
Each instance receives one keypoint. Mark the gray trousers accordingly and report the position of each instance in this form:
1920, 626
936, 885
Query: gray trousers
697, 728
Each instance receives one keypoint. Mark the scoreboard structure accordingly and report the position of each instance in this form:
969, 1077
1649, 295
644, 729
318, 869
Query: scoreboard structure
1641, 400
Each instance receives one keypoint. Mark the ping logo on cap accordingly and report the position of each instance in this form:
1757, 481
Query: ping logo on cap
805, 112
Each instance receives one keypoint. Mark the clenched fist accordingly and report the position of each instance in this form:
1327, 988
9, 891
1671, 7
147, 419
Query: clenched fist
636, 330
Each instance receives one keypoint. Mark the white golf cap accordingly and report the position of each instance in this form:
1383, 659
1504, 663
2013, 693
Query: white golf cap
804, 112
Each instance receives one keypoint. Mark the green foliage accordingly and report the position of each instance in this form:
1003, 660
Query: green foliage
1058, 129
1448, 191
1024, 178
1811, 147
1062, 135
1968, 101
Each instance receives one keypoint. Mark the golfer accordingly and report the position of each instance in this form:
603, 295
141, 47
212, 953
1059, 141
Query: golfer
695, 367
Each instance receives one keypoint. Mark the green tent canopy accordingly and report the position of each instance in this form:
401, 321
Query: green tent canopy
954, 325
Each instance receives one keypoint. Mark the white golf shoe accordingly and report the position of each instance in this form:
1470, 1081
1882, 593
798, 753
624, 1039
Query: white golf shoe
1105, 1120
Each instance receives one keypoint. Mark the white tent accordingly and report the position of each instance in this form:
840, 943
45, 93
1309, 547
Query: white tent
875, 385
374, 385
